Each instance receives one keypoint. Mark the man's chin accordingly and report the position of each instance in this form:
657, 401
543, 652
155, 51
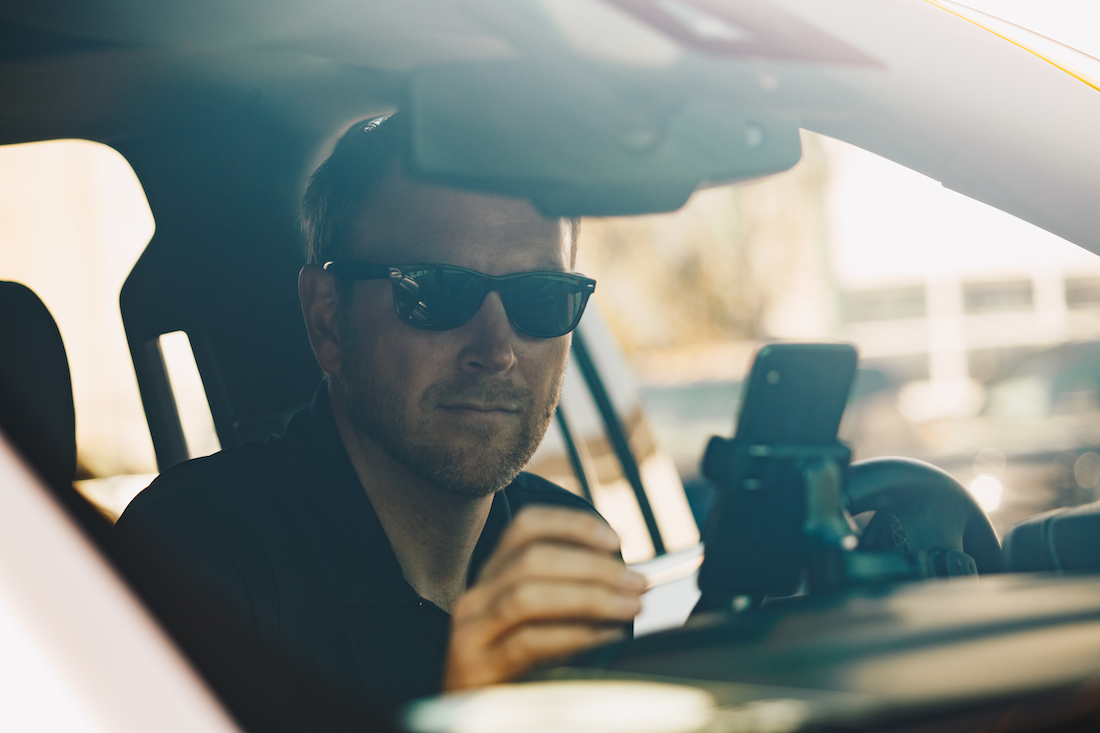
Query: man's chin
463, 490
462, 452
470, 480
470, 464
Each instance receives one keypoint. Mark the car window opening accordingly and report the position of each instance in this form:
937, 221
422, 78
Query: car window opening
189, 394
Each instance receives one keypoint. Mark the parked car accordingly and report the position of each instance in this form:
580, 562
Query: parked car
586, 108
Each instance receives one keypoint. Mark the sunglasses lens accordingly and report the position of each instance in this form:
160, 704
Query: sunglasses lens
545, 306
438, 298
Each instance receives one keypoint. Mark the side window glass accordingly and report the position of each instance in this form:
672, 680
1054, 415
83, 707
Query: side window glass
582, 429
663, 488
600, 469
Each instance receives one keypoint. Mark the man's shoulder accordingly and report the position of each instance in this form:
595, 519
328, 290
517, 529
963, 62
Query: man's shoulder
530, 488
233, 478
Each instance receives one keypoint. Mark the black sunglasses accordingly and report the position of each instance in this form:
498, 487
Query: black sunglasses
440, 297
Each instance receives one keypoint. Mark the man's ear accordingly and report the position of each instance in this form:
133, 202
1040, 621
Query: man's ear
320, 304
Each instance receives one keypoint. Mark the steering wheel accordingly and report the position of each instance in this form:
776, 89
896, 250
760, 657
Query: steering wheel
935, 510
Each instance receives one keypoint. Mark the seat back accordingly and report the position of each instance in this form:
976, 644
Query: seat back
1063, 540
36, 392
222, 267
254, 358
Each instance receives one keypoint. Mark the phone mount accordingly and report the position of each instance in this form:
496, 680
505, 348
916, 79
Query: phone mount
780, 520
781, 523
781, 526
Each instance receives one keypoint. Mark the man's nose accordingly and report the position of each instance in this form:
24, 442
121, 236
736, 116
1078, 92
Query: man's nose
491, 341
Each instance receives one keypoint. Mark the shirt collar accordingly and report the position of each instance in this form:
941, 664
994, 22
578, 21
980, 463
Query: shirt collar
500, 516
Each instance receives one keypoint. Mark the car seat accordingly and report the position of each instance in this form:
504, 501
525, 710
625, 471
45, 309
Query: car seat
254, 358
36, 401
36, 393
222, 267
1062, 540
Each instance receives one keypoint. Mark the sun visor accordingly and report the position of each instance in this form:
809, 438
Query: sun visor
578, 143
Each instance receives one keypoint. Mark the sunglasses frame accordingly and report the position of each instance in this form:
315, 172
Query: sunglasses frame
362, 270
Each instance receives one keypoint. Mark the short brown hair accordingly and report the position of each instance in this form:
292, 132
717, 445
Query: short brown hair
340, 186
337, 189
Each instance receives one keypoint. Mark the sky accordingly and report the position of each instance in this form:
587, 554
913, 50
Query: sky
892, 226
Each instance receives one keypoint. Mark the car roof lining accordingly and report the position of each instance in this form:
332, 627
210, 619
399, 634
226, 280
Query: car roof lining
18, 41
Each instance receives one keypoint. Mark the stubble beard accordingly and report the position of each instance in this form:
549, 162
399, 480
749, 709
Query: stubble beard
488, 456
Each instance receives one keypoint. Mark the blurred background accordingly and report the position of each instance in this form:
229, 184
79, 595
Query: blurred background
979, 334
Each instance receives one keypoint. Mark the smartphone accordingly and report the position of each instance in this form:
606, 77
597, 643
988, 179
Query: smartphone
795, 394
794, 398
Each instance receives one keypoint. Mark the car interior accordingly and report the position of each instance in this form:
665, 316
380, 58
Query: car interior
222, 134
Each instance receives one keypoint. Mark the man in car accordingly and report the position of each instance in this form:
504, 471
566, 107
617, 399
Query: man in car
389, 537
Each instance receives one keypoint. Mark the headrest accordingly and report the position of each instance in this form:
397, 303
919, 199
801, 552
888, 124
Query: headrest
1062, 540
36, 392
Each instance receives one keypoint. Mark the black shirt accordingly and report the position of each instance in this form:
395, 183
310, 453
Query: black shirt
283, 537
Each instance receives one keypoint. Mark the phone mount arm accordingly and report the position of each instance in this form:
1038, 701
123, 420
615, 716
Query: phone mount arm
796, 489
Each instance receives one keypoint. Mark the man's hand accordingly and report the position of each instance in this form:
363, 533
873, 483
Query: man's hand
554, 585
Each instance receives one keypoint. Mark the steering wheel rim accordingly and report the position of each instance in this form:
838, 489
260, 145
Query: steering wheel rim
883, 483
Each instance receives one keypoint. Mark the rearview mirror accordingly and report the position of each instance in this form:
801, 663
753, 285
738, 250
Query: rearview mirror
578, 144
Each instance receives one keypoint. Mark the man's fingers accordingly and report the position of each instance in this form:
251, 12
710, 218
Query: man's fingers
532, 645
547, 601
551, 524
526, 647
484, 617
553, 562
555, 584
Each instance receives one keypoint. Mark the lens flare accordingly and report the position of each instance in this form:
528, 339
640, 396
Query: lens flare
987, 491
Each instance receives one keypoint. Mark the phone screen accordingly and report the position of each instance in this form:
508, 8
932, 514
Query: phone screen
795, 394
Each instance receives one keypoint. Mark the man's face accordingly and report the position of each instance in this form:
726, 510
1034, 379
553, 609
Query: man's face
466, 408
